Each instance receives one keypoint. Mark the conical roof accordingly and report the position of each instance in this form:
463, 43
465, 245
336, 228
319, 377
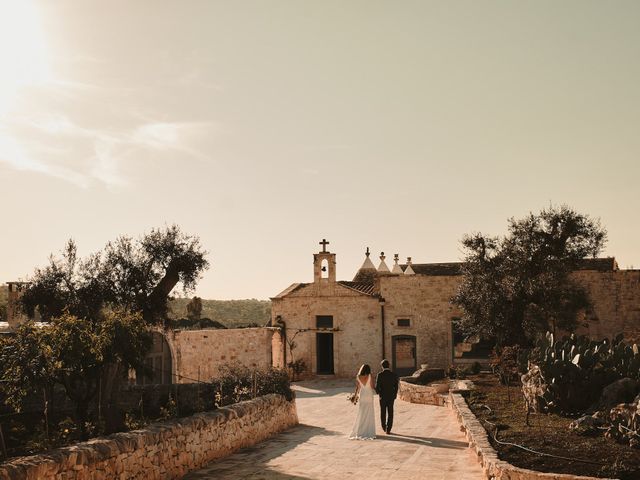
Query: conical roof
383, 268
367, 272
397, 269
409, 270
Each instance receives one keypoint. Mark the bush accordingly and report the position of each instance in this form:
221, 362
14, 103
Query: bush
236, 383
508, 363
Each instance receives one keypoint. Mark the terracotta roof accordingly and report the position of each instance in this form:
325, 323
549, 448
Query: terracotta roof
455, 268
289, 290
436, 269
365, 275
607, 264
366, 288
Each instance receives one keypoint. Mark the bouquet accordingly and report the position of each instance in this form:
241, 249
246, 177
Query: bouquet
353, 398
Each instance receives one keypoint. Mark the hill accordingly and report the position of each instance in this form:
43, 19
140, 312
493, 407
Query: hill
231, 313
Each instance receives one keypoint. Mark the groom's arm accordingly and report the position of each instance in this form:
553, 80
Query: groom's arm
378, 386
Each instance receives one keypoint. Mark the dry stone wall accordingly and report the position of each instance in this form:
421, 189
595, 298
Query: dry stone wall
162, 451
492, 467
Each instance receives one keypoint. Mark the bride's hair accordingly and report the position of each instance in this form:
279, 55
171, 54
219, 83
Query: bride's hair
364, 370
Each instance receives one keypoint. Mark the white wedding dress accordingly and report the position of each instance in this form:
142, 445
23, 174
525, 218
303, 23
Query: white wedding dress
365, 426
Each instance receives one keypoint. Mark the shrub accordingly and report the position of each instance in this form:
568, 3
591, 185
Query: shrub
236, 383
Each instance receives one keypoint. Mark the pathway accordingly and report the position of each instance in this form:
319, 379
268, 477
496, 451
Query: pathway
426, 443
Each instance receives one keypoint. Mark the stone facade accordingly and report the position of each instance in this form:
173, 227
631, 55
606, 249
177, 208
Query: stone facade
407, 317
615, 296
198, 354
165, 450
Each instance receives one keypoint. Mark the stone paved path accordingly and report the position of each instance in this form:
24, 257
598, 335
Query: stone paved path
427, 444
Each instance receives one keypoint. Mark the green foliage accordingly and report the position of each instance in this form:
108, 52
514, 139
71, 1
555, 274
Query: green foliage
508, 363
4, 293
517, 287
296, 368
72, 352
137, 275
236, 383
577, 369
26, 363
231, 313
170, 410
187, 324
194, 309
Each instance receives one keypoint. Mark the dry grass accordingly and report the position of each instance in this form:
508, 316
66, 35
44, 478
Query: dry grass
547, 433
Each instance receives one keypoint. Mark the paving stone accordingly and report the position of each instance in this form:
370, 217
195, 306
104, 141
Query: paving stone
426, 444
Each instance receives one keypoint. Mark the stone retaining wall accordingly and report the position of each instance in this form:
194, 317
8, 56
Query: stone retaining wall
425, 394
492, 466
166, 450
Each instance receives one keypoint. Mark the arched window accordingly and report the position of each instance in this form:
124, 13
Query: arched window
324, 269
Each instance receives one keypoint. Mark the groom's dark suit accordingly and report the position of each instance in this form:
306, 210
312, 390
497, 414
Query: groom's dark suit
387, 388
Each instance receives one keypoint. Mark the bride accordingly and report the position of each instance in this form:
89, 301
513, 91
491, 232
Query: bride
364, 428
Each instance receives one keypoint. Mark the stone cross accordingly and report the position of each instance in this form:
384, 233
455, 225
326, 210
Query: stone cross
324, 244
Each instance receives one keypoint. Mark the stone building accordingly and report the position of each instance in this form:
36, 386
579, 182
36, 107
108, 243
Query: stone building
404, 314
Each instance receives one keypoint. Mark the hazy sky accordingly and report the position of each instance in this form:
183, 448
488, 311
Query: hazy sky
264, 126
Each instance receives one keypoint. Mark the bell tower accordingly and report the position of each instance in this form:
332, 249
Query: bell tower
324, 265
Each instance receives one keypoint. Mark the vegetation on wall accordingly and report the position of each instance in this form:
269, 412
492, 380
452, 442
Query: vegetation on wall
236, 382
516, 287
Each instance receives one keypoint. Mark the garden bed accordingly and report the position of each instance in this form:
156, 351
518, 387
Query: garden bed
547, 433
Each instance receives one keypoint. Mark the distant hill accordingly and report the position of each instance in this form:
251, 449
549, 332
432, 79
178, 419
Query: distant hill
231, 313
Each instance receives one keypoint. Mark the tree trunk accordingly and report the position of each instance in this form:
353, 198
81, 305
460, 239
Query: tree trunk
157, 298
111, 381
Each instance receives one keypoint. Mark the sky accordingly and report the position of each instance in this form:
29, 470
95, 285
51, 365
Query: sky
263, 127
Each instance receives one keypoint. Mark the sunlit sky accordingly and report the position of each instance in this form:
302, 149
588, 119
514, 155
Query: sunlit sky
264, 126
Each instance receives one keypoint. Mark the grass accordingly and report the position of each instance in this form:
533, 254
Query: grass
547, 433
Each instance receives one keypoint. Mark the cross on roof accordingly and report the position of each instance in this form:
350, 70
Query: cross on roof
324, 244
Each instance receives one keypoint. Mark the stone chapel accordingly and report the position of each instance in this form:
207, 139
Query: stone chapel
404, 314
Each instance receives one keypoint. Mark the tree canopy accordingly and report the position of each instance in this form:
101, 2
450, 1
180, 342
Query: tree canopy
135, 275
518, 286
71, 352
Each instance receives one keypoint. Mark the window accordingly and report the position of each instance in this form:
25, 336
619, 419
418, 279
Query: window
404, 322
324, 321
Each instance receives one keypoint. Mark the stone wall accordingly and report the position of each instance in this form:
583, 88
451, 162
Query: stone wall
425, 301
165, 450
433, 394
356, 328
616, 304
198, 354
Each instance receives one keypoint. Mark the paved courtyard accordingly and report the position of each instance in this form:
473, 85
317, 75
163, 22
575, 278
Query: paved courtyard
426, 443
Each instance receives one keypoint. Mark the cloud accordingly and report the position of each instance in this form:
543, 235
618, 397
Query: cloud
85, 155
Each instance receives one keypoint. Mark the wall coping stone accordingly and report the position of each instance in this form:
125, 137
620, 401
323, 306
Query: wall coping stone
163, 450
492, 467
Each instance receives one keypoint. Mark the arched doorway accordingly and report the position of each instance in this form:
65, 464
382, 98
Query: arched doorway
403, 350
158, 360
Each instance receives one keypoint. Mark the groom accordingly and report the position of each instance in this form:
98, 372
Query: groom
387, 388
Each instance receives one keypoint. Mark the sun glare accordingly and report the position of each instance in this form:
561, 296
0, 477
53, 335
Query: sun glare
23, 51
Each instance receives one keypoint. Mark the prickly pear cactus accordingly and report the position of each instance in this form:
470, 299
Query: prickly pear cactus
576, 369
